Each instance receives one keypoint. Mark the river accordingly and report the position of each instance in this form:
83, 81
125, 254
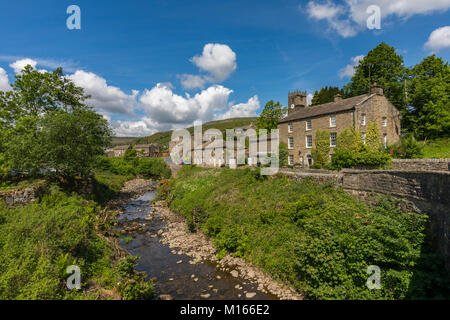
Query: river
172, 274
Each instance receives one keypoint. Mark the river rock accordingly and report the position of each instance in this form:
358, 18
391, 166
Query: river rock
250, 295
234, 273
165, 297
205, 296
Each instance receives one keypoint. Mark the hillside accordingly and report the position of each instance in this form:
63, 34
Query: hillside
163, 138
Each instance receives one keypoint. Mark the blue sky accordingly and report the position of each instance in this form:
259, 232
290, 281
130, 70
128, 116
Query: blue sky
259, 50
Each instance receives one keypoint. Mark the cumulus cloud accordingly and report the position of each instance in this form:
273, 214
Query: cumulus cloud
19, 65
350, 17
217, 60
4, 82
141, 128
240, 110
189, 81
164, 106
439, 39
104, 97
349, 70
332, 14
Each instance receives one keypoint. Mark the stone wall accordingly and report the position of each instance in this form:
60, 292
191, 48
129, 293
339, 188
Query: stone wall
422, 191
421, 164
22, 196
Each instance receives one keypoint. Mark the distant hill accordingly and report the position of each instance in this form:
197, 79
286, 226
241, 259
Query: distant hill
163, 138
118, 141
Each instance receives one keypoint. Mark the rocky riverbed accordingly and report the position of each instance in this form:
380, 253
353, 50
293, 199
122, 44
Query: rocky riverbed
183, 265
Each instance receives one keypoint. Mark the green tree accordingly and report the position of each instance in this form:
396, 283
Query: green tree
428, 114
321, 151
384, 66
373, 140
45, 121
325, 95
271, 114
349, 140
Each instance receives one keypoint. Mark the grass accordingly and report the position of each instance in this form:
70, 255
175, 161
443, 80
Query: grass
439, 148
315, 237
40, 240
21, 184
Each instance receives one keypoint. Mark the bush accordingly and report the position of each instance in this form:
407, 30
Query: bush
364, 159
321, 152
407, 148
143, 166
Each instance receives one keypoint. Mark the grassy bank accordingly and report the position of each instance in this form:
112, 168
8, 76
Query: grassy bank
439, 148
40, 240
315, 237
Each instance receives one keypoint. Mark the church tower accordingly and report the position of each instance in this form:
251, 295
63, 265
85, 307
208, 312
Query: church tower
296, 101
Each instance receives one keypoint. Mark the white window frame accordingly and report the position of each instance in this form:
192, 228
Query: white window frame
290, 127
363, 119
331, 139
331, 121
291, 159
309, 146
385, 140
363, 137
384, 122
308, 128
290, 147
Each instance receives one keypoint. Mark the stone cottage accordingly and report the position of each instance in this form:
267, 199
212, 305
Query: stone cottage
298, 129
119, 151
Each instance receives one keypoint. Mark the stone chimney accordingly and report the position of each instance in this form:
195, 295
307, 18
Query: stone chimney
337, 97
376, 89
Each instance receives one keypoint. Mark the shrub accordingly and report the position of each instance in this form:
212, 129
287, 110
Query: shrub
407, 148
364, 158
321, 152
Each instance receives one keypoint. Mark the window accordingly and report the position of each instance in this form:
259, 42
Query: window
309, 141
291, 142
332, 121
385, 140
308, 125
363, 119
384, 122
290, 127
363, 137
333, 138
291, 159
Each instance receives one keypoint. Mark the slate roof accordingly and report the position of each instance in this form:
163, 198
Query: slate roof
326, 108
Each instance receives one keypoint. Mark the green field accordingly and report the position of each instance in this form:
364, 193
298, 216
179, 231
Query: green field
439, 148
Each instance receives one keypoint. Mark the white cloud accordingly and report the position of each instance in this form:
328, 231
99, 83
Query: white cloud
104, 97
141, 128
19, 65
189, 81
331, 13
240, 110
439, 39
217, 60
350, 17
164, 106
4, 81
349, 70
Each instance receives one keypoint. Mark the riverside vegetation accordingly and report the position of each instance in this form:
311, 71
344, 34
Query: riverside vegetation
48, 134
314, 237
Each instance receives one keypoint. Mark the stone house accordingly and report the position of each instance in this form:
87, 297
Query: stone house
297, 130
119, 151
147, 150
